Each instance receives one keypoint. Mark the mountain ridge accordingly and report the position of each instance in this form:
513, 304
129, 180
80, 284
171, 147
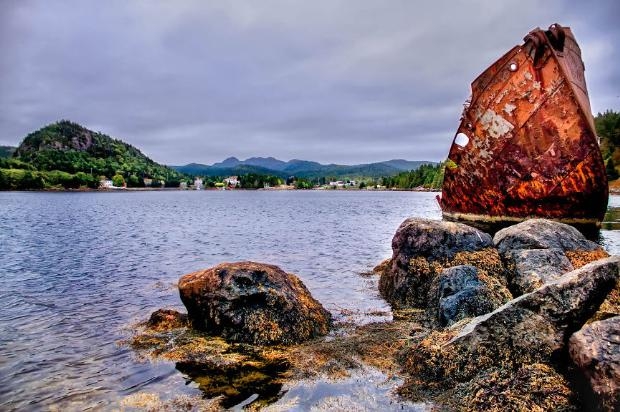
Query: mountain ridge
7, 151
300, 168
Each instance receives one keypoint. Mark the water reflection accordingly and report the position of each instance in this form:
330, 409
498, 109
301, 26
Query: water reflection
612, 219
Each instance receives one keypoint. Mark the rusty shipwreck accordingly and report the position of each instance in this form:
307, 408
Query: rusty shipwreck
526, 145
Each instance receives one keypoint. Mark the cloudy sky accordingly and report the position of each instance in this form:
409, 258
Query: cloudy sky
331, 81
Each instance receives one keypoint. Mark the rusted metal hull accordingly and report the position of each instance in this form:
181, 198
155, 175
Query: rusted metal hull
526, 146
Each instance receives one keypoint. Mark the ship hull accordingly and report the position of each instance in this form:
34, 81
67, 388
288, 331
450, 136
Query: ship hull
526, 145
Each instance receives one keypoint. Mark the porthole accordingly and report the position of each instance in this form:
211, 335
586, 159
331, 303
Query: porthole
461, 140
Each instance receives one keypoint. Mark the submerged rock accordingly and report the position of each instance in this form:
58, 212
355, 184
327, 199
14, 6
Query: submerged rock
595, 349
463, 292
253, 303
421, 249
540, 251
226, 372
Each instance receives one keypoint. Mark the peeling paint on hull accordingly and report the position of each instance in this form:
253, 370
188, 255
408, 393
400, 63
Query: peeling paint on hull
526, 145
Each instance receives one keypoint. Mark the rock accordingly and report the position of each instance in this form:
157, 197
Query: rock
464, 292
610, 307
228, 372
533, 387
252, 303
595, 349
532, 328
541, 234
382, 267
540, 251
421, 249
436, 240
535, 267
167, 319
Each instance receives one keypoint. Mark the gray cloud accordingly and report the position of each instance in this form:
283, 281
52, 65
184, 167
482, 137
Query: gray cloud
332, 81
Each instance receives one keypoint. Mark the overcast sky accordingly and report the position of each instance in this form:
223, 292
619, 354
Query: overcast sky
331, 81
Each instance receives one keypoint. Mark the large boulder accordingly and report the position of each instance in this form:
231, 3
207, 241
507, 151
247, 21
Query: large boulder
463, 291
532, 328
422, 248
595, 349
539, 251
253, 303
542, 234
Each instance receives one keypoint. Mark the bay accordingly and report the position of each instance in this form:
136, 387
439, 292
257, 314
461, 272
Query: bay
79, 270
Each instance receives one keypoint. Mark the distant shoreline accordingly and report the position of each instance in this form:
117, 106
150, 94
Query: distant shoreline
612, 190
176, 189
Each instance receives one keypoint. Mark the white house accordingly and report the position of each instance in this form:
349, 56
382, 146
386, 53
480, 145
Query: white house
106, 184
198, 184
232, 181
338, 183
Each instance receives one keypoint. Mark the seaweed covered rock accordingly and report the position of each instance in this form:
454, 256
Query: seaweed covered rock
166, 319
463, 291
422, 248
610, 307
530, 329
540, 251
595, 349
533, 387
252, 303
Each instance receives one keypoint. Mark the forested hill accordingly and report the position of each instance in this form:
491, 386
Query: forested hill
71, 148
608, 129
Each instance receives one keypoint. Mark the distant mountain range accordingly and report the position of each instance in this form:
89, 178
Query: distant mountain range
71, 148
300, 168
7, 151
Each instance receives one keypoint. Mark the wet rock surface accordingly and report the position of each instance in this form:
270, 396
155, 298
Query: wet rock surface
595, 349
253, 303
463, 292
513, 356
224, 371
167, 319
421, 249
231, 373
531, 387
531, 329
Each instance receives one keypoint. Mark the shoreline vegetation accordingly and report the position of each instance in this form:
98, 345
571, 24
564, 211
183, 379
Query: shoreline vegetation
67, 156
178, 189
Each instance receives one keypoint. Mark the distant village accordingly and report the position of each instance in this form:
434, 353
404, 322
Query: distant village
233, 182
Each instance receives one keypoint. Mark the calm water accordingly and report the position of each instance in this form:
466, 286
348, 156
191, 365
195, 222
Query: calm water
78, 269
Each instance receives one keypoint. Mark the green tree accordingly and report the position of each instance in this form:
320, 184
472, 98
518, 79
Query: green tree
118, 180
610, 168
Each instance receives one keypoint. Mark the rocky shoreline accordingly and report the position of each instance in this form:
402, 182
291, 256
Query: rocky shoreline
527, 319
